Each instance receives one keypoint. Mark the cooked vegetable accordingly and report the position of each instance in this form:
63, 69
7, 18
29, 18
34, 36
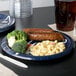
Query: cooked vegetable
19, 35
19, 46
17, 40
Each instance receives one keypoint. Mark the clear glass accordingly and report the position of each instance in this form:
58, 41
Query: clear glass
65, 12
20, 8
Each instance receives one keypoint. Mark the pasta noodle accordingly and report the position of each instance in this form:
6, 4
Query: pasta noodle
47, 47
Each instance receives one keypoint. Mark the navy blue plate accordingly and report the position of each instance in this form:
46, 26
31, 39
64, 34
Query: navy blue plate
7, 26
69, 45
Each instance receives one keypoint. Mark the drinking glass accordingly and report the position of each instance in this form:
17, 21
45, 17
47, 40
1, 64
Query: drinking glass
65, 12
20, 8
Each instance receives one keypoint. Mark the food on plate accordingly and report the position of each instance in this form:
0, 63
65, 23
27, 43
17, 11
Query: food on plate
43, 34
17, 40
37, 30
46, 36
47, 47
48, 41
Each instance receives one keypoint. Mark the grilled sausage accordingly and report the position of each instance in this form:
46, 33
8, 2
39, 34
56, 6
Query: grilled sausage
46, 36
43, 34
37, 30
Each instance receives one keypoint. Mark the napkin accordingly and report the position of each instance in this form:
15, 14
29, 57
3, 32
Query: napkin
69, 33
4, 71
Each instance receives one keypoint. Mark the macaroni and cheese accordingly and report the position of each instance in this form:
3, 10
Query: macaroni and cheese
47, 47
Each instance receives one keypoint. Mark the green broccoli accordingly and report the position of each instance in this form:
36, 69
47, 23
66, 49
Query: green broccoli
19, 35
19, 46
17, 40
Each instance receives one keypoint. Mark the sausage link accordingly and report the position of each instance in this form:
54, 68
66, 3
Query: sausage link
37, 30
46, 36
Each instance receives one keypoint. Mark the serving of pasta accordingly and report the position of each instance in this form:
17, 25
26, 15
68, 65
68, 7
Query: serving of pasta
47, 47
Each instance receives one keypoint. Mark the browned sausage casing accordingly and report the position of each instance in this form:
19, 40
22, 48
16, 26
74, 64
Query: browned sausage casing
37, 30
46, 36
43, 34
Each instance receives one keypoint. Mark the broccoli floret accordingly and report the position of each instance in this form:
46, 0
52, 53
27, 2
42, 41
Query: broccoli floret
17, 40
19, 35
19, 46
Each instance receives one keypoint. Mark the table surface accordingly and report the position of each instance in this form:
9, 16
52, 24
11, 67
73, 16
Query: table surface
65, 66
